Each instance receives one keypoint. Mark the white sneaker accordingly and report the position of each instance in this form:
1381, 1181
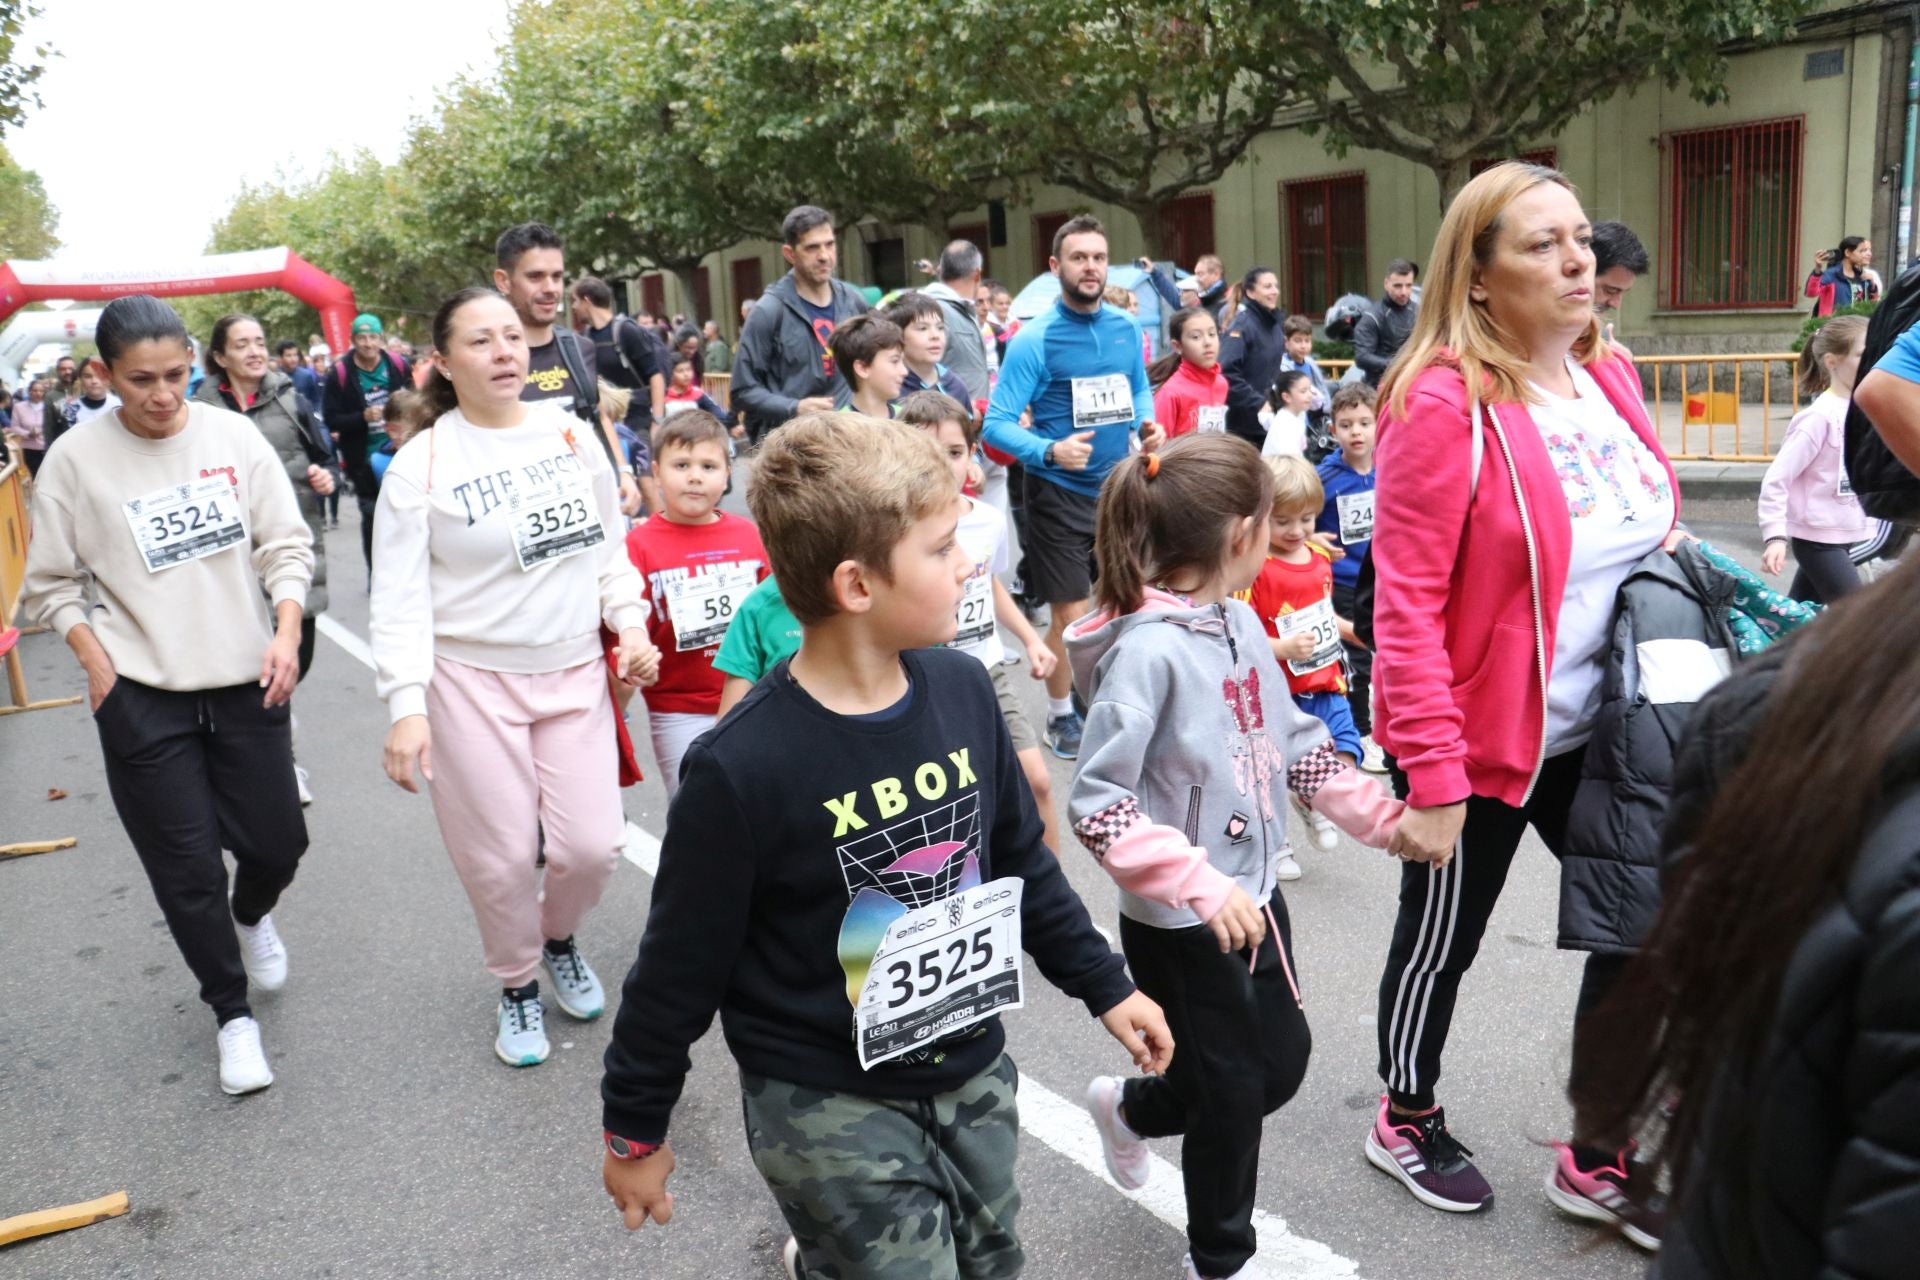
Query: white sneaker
1326, 837
1286, 868
575, 988
522, 1041
1128, 1159
1190, 1273
790, 1259
243, 1063
1372, 758
300, 781
263, 954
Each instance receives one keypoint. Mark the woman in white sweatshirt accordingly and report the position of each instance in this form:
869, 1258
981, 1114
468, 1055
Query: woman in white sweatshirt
497, 557
177, 513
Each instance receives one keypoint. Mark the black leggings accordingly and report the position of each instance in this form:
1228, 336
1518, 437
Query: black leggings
190, 774
1444, 913
1243, 1047
1826, 571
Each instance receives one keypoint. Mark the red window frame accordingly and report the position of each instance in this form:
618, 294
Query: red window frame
747, 284
653, 294
1186, 228
1732, 202
1044, 225
1324, 225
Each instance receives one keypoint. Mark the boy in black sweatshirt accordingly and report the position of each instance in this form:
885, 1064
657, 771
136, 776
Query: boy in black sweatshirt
851, 869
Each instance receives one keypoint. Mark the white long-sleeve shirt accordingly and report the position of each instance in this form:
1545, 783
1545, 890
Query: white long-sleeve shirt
447, 580
176, 560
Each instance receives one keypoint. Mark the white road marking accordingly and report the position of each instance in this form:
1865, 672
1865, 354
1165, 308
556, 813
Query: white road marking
1051, 1119
1068, 1129
352, 643
643, 848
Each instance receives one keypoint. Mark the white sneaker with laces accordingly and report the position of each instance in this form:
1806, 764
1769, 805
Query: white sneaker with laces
1128, 1159
243, 1063
1326, 837
1191, 1273
1286, 868
575, 988
522, 1041
263, 954
300, 781
1372, 758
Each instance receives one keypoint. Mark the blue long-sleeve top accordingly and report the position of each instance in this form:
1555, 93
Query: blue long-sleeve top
1045, 358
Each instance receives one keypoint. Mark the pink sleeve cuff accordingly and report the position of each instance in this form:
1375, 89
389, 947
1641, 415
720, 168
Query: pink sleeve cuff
1359, 806
1152, 861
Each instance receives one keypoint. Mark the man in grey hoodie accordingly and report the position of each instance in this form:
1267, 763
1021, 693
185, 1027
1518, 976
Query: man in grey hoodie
784, 365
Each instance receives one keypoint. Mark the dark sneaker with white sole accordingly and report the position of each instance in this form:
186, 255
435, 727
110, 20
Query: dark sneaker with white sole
1427, 1160
1608, 1194
1063, 735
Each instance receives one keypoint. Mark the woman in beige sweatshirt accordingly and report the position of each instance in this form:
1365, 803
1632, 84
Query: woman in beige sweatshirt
177, 514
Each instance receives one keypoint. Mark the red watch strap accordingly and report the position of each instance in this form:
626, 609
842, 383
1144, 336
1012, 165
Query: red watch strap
624, 1149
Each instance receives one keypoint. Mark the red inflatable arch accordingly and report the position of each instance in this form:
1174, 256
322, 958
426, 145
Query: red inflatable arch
54, 279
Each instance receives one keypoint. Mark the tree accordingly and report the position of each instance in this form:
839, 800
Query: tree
27, 219
1445, 83
1131, 103
20, 69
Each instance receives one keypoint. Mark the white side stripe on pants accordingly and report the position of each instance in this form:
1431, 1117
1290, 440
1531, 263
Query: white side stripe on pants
1431, 948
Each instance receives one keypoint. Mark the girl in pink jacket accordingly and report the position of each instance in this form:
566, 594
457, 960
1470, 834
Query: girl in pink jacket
1806, 498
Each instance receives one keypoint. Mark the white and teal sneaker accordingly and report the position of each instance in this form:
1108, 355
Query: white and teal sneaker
575, 988
523, 1030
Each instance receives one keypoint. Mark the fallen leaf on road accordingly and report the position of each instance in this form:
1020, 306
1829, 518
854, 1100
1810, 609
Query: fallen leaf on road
55, 793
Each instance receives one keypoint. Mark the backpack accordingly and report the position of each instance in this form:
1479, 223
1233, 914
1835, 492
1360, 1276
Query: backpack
586, 390
1886, 489
1363, 587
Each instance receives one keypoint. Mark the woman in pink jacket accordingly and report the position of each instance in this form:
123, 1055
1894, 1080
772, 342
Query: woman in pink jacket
1806, 497
1520, 481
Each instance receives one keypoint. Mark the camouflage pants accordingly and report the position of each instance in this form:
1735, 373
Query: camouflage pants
889, 1189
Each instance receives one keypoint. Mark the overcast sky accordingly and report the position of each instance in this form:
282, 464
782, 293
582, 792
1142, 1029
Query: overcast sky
250, 90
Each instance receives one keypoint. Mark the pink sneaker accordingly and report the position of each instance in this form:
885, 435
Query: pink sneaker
1128, 1159
1427, 1160
1601, 1195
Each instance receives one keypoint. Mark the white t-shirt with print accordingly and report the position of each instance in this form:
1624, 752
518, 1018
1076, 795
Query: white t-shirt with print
983, 536
1622, 506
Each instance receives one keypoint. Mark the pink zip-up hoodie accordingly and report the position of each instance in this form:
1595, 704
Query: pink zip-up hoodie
1800, 497
1467, 593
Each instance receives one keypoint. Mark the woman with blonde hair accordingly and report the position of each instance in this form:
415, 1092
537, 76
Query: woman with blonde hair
1520, 481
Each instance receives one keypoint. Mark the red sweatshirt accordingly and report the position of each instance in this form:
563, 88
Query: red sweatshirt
1177, 405
1467, 594
696, 576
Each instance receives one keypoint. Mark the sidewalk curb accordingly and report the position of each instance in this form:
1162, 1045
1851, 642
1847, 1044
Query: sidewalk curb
1719, 481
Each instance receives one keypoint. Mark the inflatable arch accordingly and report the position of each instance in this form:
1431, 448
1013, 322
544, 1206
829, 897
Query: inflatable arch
54, 279
29, 329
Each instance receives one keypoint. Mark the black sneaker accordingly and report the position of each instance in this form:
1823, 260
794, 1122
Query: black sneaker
1063, 735
1420, 1152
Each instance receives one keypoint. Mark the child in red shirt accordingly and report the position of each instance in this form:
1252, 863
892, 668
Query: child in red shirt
1192, 392
698, 564
1294, 598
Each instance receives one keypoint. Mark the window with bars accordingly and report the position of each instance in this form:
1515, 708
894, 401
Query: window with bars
653, 294
1186, 228
1326, 232
1733, 215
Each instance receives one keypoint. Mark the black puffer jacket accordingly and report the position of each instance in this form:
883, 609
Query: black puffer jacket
1670, 645
1250, 352
1833, 1099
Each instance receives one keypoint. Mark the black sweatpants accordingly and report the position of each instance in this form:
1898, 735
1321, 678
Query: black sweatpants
1243, 1046
191, 774
1359, 665
1826, 571
1444, 912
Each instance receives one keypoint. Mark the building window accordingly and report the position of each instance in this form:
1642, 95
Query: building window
747, 284
888, 258
653, 294
702, 296
1733, 215
1186, 228
976, 232
1547, 157
1044, 225
1326, 234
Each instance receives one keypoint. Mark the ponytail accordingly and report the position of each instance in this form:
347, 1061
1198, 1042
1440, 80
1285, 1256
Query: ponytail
1160, 370
437, 390
1834, 338
1167, 514
1163, 368
437, 394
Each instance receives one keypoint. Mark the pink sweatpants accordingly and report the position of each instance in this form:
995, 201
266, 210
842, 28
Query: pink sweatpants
513, 754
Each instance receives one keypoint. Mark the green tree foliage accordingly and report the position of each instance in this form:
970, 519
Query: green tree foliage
28, 221
20, 68
1442, 84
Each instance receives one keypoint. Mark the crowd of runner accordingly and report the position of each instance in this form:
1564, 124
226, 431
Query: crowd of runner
1402, 605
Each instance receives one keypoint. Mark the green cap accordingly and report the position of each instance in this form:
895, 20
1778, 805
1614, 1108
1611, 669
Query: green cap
366, 322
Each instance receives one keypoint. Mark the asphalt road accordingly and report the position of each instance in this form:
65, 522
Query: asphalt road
393, 1143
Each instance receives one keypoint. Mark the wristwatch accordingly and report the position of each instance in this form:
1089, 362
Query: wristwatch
1047, 457
621, 1149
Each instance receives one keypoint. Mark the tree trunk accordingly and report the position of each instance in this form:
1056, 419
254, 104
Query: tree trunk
1153, 237
685, 273
1453, 175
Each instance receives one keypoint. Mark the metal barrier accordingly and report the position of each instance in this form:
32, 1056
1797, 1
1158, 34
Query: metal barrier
14, 531
720, 387
1730, 408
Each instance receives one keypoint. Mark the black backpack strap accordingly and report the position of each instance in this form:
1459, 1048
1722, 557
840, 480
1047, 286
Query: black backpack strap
586, 394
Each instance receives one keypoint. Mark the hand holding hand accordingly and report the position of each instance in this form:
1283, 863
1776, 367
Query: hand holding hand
637, 659
1429, 835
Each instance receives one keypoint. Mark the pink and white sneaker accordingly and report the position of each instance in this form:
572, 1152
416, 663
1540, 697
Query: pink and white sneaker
1602, 1195
1428, 1161
1128, 1159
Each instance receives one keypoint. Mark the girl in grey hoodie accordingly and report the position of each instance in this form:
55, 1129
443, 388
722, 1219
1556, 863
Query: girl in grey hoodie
1190, 735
